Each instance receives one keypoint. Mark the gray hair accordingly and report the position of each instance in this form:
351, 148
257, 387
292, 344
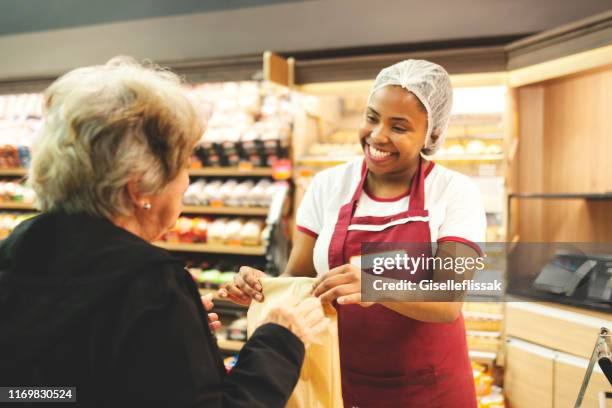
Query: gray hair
105, 125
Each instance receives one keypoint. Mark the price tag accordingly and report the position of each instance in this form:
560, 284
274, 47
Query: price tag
281, 169
245, 166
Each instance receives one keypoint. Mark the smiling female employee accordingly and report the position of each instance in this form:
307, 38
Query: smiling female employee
403, 353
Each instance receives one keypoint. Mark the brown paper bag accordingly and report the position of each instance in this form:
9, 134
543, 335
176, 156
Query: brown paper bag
319, 384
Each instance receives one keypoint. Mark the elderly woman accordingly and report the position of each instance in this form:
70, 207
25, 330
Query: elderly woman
85, 300
392, 353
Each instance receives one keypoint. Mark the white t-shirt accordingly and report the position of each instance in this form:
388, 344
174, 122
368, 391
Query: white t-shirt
455, 205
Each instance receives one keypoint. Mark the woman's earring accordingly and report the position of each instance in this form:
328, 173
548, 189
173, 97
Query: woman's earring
146, 206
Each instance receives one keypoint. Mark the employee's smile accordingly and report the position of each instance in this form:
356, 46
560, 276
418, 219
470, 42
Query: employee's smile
377, 155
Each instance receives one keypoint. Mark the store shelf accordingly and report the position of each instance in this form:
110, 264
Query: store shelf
230, 345
487, 357
10, 205
324, 161
468, 157
212, 248
17, 171
232, 172
563, 196
475, 136
202, 209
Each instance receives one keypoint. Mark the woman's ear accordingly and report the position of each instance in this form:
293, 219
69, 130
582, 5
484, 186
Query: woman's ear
138, 201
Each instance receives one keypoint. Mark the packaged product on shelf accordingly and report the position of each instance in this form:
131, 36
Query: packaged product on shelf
483, 383
491, 401
261, 194
11, 191
225, 278
206, 154
231, 193
234, 229
207, 278
488, 395
9, 157
454, 149
233, 134
230, 362
213, 277
8, 222
20, 121
250, 233
217, 231
475, 147
237, 330
193, 195
188, 230
209, 192
224, 193
184, 230
200, 229
494, 148
222, 231
238, 196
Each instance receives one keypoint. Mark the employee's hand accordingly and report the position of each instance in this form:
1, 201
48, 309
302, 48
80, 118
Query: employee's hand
343, 284
213, 318
246, 286
306, 319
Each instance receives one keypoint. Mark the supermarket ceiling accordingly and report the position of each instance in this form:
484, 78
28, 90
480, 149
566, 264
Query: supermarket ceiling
43, 38
33, 15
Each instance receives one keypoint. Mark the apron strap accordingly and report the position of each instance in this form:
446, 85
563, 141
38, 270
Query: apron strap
345, 215
417, 188
364, 173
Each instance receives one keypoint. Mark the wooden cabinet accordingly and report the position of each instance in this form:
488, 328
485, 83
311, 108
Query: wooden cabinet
557, 327
568, 374
528, 380
547, 352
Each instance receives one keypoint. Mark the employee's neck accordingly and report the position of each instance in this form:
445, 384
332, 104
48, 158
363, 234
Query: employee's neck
391, 184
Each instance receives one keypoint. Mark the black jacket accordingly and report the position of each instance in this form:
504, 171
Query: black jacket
87, 304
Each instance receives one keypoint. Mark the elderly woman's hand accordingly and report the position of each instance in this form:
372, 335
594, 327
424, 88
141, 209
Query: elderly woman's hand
246, 286
213, 318
343, 284
306, 319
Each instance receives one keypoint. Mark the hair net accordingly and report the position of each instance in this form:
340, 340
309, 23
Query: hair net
431, 84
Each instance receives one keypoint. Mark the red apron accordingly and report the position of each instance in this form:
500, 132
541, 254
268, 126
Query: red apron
389, 360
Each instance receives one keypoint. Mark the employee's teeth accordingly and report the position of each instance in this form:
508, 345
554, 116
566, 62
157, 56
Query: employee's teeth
378, 153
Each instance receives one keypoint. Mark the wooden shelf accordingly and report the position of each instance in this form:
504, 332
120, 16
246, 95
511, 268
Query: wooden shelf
487, 357
230, 345
202, 209
468, 157
17, 171
212, 248
232, 172
10, 205
548, 196
325, 161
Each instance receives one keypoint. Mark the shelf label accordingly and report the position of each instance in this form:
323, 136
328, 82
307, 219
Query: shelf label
281, 169
245, 166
